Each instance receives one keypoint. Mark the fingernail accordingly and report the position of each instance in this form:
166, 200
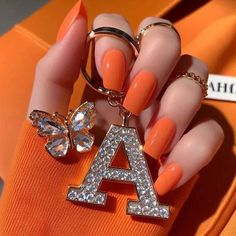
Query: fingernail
140, 92
77, 11
168, 179
159, 137
113, 70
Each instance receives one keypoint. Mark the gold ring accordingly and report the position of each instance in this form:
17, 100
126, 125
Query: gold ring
143, 32
197, 79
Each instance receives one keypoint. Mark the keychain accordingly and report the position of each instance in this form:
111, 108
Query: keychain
147, 204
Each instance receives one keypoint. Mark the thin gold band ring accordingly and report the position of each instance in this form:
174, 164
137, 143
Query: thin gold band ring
144, 31
197, 79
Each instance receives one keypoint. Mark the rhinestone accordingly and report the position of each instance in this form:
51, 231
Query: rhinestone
90, 198
115, 129
99, 199
90, 178
81, 197
58, 147
146, 210
155, 211
49, 127
134, 208
164, 213
72, 195
83, 141
110, 152
84, 117
34, 115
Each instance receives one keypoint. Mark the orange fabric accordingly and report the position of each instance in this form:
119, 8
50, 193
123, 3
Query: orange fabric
208, 33
230, 228
17, 62
34, 197
55, 11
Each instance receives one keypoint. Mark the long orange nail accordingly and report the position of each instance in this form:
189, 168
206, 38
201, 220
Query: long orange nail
159, 137
140, 92
77, 11
113, 70
168, 179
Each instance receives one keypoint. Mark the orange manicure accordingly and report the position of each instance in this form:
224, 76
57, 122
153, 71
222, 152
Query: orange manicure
159, 137
168, 179
77, 11
140, 92
113, 70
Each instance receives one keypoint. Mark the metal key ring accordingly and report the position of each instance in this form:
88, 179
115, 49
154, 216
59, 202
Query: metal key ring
99, 32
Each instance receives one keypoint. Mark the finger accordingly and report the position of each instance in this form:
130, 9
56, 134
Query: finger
178, 106
194, 151
159, 53
112, 55
57, 71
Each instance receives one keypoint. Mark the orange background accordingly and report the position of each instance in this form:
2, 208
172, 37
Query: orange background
208, 33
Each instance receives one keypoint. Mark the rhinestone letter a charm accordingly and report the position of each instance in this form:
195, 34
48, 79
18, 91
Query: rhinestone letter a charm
147, 204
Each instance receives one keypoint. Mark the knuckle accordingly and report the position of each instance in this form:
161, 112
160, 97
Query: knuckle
169, 39
112, 20
161, 36
108, 16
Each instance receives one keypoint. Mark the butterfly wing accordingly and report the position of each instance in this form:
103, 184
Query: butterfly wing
83, 141
83, 117
58, 146
54, 128
47, 124
82, 120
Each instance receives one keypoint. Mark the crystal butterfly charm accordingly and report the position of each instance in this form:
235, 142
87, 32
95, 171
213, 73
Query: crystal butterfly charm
65, 133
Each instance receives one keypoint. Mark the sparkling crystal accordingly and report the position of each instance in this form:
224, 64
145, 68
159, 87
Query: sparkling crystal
146, 210
72, 195
164, 213
90, 198
84, 117
81, 197
34, 115
83, 141
58, 147
147, 204
99, 199
49, 127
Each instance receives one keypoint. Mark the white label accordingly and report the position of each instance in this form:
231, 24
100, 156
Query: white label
221, 87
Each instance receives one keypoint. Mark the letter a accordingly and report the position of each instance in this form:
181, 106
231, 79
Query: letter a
147, 204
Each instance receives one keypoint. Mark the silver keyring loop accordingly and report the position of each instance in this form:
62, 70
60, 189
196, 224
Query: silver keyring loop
99, 32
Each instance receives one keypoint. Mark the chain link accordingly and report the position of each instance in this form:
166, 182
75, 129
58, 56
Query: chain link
115, 99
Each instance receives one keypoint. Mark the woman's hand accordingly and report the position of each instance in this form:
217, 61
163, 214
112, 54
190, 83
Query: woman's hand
162, 113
